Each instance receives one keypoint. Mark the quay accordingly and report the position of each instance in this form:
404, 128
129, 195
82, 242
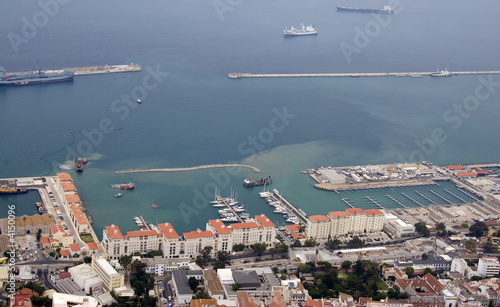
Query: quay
300, 214
93, 70
375, 74
186, 169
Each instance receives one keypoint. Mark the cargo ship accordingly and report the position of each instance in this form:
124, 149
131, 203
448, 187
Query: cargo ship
386, 10
6, 189
309, 30
34, 77
248, 182
441, 73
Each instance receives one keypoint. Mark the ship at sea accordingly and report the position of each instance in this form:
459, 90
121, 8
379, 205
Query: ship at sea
309, 30
441, 73
249, 182
386, 10
34, 77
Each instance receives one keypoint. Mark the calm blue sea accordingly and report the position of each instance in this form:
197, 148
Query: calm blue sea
192, 114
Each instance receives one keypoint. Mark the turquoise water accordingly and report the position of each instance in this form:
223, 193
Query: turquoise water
196, 115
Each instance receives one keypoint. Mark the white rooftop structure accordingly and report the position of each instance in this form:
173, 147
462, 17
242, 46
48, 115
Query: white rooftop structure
225, 276
63, 300
105, 266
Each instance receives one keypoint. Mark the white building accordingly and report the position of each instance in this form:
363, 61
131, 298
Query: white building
397, 227
488, 266
110, 277
458, 265
318, 227
85, 277
116, 245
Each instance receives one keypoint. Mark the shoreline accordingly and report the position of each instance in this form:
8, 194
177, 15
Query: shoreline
187, 169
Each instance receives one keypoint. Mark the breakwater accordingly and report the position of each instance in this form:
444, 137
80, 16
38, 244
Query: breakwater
187, 169
375, 74
92, 70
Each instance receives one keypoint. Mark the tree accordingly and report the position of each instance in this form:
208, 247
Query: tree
409, 271
424, 256
430, 271
490, 247
238, 247
193, 283
219, 265
421, 228
356, 242
41, 301
224, 257
478, 229
440, 227
125, 262
152, 254
38, 235
236, 286
310, 243
465, 225
333, 244
204, 256
259, 248
297, 243
346, 265
470, 244
35, 287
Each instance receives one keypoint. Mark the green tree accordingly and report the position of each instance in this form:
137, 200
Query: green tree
478, 229
148, 301
470, 244
346, 265
201, 294
152, 254
440, 227
310, 243
304, 268
490, 247
87, 259
204, 256
297, 243
259, 248
333, 244
356, 242
224, 257
238, 247
409, 271
193, 283
465, 226
422, 229
430, 271
34, 286
41, 301
236, 286
125, 262
219, 265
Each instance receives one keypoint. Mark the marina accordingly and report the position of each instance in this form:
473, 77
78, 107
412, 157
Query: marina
375, 74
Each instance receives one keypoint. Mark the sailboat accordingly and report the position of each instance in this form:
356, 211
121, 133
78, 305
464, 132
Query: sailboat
264, 193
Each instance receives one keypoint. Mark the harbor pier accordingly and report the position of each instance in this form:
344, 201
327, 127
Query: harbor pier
299, 213
373, 74
93, 70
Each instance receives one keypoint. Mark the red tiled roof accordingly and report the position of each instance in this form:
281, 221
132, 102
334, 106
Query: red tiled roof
294, 227
338, 214
168, 231
56, 228
373, 212
64, 252
92, 245
264, 220
455, 167
295, 235
220, 227
139, 233
467, 174
68, 186
114, 232
319, 218
198, 234
72, 198
482, 172
64, 176
245, 225
352, 211
312, 303
74, 247
44, 240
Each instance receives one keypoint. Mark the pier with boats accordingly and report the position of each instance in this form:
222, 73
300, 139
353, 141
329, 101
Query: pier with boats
231, 210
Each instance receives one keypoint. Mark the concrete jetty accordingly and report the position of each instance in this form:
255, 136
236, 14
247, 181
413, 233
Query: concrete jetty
93, 70
374, 74
297, 212
186, 169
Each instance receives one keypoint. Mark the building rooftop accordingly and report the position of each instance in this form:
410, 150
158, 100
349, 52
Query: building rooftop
142, 233
92, 245
338, 214
181, 281
114, 232
198, 234
219, 227
67, 186
319, 218
168, 231
354, 210
64, 253
64, 177
105, 266
455, 167
264, 220
74, 247
245, 225
73, 198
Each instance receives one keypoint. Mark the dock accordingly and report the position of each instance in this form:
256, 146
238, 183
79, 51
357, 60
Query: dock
346, 201
231, 209
299, 213
396, 201
93, 70
412, 199
375, 202
374, 74
426, 198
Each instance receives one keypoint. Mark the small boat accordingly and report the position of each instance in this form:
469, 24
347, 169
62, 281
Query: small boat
139, 101
219, 205
85, 160
118, 195
154, 206
302, 31
245, 215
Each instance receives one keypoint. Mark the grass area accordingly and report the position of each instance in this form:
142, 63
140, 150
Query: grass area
381, 284
86, 237
342, 275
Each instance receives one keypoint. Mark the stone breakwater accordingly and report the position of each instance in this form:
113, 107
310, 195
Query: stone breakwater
187, 169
